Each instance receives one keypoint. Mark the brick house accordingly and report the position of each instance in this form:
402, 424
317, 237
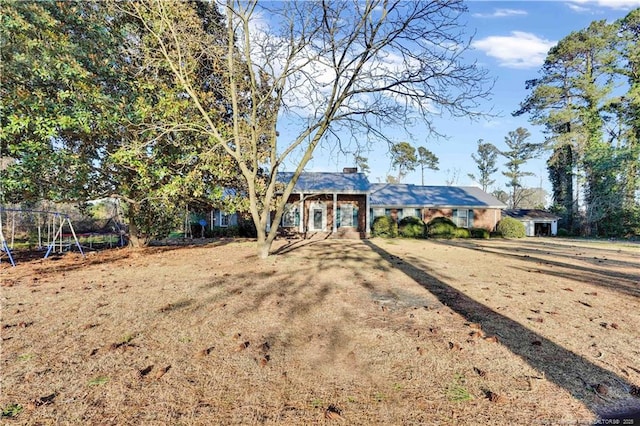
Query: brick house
345, 204
466, 206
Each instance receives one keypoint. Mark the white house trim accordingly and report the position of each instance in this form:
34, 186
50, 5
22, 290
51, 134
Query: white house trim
335, 213
301, 224
317, 205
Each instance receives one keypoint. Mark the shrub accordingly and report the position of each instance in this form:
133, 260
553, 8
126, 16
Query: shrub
462, 233
221, 232
479, 233
412, 227
562, 232
247, 229
441, 227
511, 228
384, 226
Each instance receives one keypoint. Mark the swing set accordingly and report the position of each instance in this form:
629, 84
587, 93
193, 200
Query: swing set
50, 226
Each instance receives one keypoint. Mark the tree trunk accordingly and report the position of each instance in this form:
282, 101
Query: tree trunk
135, 239
264, 248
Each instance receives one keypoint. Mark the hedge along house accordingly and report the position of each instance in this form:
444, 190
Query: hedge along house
335, 203
466, 206
536, 222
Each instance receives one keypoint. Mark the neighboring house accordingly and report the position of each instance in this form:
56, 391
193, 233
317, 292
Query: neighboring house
222, 219
346, 204
466, 206
536, 222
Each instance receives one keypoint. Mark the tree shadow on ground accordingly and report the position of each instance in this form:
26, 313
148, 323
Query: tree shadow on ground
617, 281
72, 260
566, 369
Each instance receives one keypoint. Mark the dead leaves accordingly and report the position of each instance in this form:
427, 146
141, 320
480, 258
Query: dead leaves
476, 334
263, 350
333, 413
162, 371
204, 352
145, 371
495, 398
479, 372
242, 346
601, 389
491, 339
455, 346
43, 400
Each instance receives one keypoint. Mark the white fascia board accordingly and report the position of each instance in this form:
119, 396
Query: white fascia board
421, 206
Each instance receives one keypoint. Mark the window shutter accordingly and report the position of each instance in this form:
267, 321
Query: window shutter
338, 217
355, 217
470, 218
454, 216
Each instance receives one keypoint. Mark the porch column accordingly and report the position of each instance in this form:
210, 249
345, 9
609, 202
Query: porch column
301, 224
366, 215
335, 212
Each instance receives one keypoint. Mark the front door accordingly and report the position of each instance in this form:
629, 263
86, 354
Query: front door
317, 219
317, 216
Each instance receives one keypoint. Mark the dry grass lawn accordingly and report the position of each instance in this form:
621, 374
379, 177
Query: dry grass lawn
535, 331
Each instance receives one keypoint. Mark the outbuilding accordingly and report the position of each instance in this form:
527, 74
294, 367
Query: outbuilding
537, 223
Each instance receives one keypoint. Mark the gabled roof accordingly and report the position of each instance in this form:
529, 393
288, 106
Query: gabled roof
321, 182
531, 214
404, 195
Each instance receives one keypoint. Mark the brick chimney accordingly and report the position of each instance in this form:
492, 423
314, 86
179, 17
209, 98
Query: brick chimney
350, 170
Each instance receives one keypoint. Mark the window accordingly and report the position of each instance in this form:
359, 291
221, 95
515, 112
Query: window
346, 215
412, 212
224, 219
463, 218
291, 216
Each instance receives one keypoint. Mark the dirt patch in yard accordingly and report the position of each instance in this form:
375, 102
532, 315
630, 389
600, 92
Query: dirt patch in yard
364, 332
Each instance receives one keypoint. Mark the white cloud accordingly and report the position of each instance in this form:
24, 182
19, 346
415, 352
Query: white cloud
577, 8
518, 50
501, 13
580, 5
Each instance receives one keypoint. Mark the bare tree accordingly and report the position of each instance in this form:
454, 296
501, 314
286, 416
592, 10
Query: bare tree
320, 67
453, 176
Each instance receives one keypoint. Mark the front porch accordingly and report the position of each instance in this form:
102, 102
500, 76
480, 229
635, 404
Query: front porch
335, 215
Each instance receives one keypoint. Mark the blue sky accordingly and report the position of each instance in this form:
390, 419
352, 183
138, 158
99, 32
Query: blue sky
511, 41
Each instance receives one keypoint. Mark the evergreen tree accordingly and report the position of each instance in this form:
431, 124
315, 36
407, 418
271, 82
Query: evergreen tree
520, 151
427, 160
403, 158
485, 159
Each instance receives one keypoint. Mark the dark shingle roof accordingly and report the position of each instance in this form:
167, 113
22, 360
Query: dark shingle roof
402, 195
320, 182
531, 214
392, 195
